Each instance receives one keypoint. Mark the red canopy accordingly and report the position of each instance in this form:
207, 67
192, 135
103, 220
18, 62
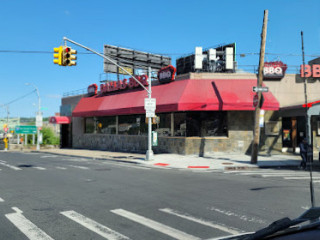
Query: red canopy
183, 95
60, 120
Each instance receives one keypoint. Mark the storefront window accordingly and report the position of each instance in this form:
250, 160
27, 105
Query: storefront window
163, 126
180, 125
89, 125
106, 125
132, 124
214, 124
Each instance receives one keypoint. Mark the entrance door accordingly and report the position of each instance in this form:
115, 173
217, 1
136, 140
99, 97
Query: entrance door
286, 132
65, 136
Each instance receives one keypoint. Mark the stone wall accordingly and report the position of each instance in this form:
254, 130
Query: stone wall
239, 138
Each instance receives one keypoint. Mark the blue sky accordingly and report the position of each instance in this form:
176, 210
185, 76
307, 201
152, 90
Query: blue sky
168, 27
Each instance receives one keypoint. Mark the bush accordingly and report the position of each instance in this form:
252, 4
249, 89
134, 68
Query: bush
48, 137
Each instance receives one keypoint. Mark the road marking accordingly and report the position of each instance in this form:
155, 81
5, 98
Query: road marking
49, 156
27, 227
201, 221
297, 178
93, 226
9, 166
80, 167
40, 168
1, 199
17, 210
174, 233
63, 168
242, 217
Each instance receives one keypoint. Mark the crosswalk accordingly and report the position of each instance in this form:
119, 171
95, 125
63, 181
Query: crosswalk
132, 221
276, 174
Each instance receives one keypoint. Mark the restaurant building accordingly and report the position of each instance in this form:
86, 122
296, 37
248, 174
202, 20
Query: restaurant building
197, 113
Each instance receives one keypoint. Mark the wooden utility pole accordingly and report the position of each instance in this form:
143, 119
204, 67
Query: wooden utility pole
256, 132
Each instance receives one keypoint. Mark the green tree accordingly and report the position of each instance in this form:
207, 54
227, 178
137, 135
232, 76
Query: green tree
48, 137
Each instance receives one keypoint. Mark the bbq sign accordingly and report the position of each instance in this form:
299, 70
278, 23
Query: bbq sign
123, 84
92, 89
166, 74
274, 70
310, 71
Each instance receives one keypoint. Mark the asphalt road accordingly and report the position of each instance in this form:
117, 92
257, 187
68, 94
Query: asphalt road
46, 196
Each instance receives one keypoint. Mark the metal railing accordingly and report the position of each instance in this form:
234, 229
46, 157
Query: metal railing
75, 92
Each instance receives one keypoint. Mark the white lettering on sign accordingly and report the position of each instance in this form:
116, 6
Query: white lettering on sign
272, 70
166, 74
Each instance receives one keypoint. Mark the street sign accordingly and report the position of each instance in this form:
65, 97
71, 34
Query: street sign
150, 114
150, 107
260, 89
39, 120
150, 104
26, 129
255, 100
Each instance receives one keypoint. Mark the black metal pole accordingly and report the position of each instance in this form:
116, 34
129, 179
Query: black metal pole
308, 137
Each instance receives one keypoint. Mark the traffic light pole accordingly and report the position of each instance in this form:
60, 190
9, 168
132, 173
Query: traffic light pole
149, 153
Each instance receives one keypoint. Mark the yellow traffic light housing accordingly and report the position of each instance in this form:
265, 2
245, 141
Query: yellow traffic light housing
57, 56
68, 56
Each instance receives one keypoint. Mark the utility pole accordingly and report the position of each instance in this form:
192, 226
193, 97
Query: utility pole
308, 127
256, 132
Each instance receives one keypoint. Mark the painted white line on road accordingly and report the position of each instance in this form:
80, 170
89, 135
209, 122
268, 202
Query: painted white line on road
201, 221
49, 156
1, 199
297, 178
94, 226
242, 217
27, 227
80, 167
10, 166
174, 233
285, 175
40, 168
17, 210
63, 168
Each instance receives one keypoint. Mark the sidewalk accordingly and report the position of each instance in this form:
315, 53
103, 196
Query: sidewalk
216, 161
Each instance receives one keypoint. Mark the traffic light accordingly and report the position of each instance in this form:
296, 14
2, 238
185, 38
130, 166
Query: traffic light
68, 55
57, 56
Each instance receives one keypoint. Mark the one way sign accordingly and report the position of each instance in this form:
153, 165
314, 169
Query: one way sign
260, 89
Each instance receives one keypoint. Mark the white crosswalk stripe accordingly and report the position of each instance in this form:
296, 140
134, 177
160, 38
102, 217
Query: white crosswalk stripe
80, 167
49, 156
94, 226
39, 168
27, 227
284, 174
3, 163
201, 221
174, 233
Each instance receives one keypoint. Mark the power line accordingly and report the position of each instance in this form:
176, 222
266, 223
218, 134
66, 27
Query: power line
164, 54
19, 98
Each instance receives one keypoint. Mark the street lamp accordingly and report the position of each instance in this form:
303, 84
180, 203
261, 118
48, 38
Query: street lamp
38, 113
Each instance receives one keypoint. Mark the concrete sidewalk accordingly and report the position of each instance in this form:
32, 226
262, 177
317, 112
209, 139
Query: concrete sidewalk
216, 161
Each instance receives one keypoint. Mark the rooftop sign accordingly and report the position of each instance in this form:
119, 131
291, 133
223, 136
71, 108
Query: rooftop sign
123, 84
166, 74
310, 71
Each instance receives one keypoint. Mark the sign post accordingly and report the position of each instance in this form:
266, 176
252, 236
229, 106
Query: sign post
150, 107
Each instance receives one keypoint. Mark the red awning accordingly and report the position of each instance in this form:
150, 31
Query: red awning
60, 120
182, 95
